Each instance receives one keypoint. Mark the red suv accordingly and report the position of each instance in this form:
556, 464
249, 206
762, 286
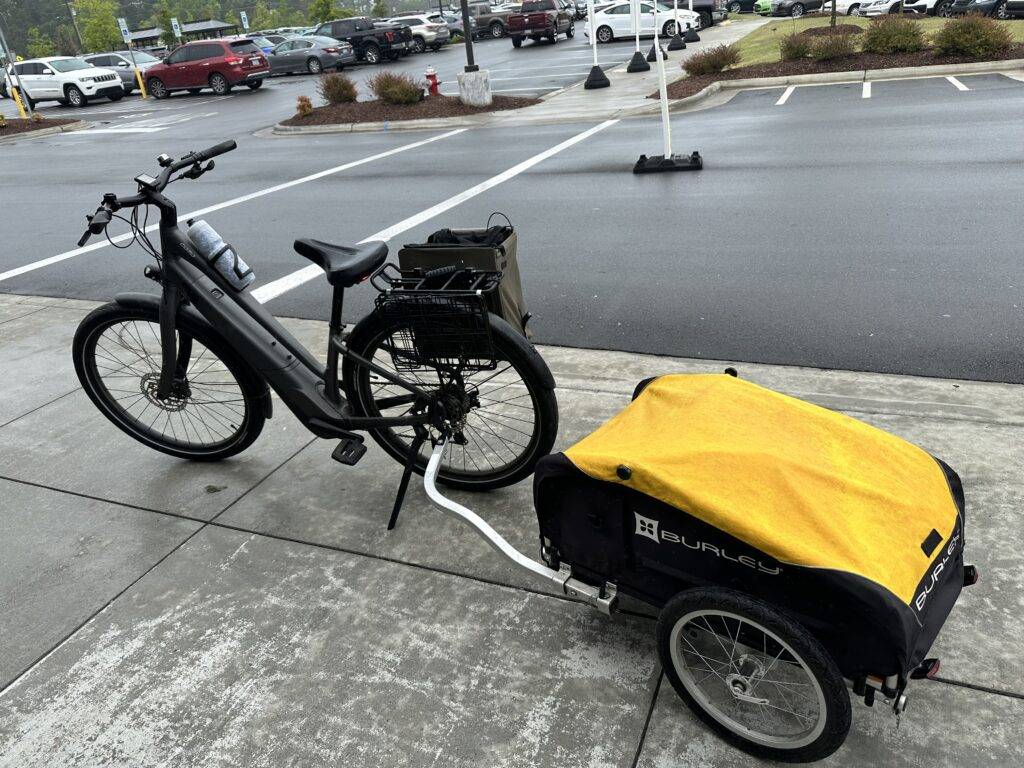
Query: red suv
216, 64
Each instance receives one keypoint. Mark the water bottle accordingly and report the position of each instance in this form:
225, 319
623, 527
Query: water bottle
220, 254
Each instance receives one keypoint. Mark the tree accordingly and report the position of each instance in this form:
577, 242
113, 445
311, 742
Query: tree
36, 45
98, 22
380, 9
321, 11
66, 41
264, 18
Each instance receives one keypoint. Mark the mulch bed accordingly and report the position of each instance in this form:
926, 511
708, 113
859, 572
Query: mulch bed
838, 29
16, 125
378, 111
688, 86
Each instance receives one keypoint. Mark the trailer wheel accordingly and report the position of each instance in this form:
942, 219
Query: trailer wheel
753, 675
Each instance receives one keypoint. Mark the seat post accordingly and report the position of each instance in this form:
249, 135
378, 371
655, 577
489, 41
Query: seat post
334, 345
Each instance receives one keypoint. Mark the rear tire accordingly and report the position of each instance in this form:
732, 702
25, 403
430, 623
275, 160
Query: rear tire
372, 54
314, 65
533, 426
118, 345
220, 84
497, 30
697, 626
570, 33
605, 35
797, 11
254, 85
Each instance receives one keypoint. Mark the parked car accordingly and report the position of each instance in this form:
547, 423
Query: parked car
541, 18
454, 24
216, 64
66, 80
794, 8
278, 39
311, 54
371, 43
488, 22
121, 62
617, 21
1001, 9
845, 7
427, 31
265, 45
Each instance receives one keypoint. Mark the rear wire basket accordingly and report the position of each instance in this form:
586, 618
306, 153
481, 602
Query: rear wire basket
439, 320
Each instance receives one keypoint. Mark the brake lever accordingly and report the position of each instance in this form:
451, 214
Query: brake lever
196, 171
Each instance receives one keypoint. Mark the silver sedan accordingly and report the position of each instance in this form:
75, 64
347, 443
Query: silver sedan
312, 54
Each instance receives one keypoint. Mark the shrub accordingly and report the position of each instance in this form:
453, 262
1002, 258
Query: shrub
974, 36
712, 60
795, 46
337, 89
394, 88
303, 106
832, 47
894, 34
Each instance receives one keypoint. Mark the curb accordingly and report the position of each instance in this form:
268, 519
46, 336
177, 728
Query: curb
51, 131
823, 78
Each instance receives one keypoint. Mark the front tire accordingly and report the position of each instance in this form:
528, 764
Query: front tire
734, 7
75, 97
852, 10
118, 96
1001, 12
513, 424
736, 661
217, 405
570, 33
517, 42
797, 12
419, 45
254, 85
220, 84
156, 88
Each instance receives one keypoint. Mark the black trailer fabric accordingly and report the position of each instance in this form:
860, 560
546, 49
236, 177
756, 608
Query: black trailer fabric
612, 525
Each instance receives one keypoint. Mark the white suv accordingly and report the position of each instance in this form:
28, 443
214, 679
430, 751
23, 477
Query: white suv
66, 79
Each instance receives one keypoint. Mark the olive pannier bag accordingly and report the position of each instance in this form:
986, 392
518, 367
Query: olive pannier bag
492, 248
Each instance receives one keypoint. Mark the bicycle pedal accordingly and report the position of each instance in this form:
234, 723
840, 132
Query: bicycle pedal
349, 451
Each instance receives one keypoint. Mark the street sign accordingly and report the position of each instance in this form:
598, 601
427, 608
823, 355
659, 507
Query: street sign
245, 20
122, 24
176, 28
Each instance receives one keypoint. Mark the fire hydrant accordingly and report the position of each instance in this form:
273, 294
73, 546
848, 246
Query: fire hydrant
432, 82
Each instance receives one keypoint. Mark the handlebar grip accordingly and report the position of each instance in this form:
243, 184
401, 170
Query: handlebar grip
99, 221
219, 149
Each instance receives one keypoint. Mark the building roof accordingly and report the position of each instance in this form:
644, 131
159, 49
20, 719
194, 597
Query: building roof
187, 28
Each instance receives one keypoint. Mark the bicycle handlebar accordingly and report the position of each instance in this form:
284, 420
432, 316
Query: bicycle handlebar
99, 220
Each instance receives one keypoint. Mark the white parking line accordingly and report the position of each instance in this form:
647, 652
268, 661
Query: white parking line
785, 96
865, 92
284, 284
957, 84
227, 204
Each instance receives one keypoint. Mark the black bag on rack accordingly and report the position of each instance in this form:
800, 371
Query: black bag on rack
492, 248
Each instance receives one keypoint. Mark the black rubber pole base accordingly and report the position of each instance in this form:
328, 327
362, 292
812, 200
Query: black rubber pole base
596, 79
676, 43
662, 164
638, 63
652, 55
691, 35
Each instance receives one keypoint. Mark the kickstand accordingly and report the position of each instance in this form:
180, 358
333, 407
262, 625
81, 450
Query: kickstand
414, 452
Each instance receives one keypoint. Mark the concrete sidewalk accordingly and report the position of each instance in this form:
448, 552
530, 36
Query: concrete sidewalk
257, 612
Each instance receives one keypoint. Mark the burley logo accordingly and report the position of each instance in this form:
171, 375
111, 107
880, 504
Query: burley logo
648, 528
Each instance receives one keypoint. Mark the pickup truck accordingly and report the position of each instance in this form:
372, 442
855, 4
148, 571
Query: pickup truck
369, 42
487, 22
542, 18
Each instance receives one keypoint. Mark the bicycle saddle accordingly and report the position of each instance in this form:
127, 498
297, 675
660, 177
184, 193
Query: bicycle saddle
344, 265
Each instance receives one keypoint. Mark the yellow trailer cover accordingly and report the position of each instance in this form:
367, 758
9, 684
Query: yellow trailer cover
806, 485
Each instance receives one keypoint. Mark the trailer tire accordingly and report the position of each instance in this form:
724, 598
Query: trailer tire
679, 634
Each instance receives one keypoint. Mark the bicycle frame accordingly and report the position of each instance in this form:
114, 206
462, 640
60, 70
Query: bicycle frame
308, 388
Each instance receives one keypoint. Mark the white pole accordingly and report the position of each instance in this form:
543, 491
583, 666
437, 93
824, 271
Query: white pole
675, 14
593, 35
666, 130
635, 11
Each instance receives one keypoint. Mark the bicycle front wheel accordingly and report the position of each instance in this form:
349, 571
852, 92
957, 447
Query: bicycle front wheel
216, 405
507, 418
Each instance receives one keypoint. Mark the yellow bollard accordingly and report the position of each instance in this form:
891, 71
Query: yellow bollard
17, 100
142, 85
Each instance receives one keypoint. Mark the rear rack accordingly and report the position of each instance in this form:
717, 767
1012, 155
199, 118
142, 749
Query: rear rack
438, 318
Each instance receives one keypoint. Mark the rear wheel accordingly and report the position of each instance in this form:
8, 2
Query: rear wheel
734, 7
517, 42
1001, 12
942, 8
314, 66
853, 8
372, 54
797, 11
605, 34
254, 85
752, 674
216, 405
509, 417
570, 33
220, 84
497, 30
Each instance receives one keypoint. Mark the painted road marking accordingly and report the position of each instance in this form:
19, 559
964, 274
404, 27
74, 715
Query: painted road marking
282, 285
866, 90
785, 96
227, 204
957, 84
152, 125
